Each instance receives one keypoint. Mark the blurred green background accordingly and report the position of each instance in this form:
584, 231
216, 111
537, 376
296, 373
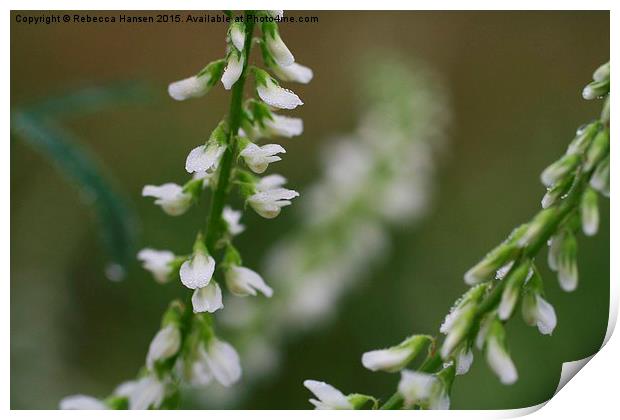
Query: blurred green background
515, 79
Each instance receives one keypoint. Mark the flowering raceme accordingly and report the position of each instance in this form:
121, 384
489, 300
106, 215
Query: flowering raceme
507, 275
187, 349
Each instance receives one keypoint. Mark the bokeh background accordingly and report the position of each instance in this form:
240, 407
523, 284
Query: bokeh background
514, 79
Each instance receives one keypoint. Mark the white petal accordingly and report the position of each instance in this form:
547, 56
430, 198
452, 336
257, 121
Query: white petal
294, 73
208, 298
170, 197
147, 392
203, 158
81, 402
277, 96
232, 218
165, 344
157, 262
237, 37
197, 271
415, 386
464, 359
270, 182
280, 52
192, 87
545, 314
500, 362
242, 281
284, 126
389, 360
233, 71
223, 361
329, 396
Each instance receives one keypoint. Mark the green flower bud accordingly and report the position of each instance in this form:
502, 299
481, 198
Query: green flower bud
589, 212
512, 289
567, 262
600, 178
559, 169
597, 150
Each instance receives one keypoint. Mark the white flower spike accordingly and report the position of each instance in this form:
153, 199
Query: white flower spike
196, 272
258, 158
208, 298
329, 398
223, 362
233, 70
242, 281
81, 402
296, 73
157, 262
268, 204
170, 197
232, 218
204, 158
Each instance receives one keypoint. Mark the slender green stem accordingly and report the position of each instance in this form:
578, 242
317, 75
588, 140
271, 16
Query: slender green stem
214, 220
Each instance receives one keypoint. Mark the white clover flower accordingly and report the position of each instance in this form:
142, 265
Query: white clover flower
223, 362
464, 359
416, 387
232, 218
242, 281
82, 402
170, 197
537, 311
258, 158
196, 272
282, 126
204, 158
329, 398
147, 392
500, 362
208, 298
268, 204
293, 73
192, 87
233, 70
270, 182
165, 344
237, 35
157, 262
273, 94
